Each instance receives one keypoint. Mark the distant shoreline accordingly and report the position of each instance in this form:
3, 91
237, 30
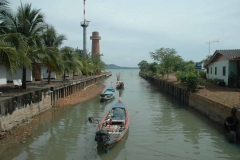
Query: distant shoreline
113, 66
122, 68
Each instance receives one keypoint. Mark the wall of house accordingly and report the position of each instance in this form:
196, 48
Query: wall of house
3, 75
232, 67
219, 75
18, 75
45, 74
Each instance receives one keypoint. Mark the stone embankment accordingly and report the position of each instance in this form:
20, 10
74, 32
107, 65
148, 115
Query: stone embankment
18, 107
208, 106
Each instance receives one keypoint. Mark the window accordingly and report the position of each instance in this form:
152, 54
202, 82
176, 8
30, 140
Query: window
207, 70
211, 70
215, 70
224, 71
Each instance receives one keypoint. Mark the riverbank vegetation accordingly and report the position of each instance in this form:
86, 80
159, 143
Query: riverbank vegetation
166, 61
27, 42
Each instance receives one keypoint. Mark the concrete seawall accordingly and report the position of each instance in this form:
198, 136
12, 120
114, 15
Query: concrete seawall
22, 107
212, 109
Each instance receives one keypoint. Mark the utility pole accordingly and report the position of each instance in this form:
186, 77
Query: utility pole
209, 43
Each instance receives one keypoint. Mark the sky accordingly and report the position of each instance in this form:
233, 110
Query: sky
131, 29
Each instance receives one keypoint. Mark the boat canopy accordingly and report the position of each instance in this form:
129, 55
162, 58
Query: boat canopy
108, 92
110, 89
118, 104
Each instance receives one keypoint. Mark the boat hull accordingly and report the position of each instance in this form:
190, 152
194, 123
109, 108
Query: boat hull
111, 130
105, 99
109, 146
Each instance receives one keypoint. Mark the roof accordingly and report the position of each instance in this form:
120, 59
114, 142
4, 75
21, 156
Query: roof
118, 104
231, 54
108, 92
110, 89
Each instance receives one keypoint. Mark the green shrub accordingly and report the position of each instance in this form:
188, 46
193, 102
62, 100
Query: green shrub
217, 80
192, 81
178, 75
202, 74
201, 81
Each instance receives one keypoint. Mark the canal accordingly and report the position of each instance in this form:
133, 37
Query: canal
161, 127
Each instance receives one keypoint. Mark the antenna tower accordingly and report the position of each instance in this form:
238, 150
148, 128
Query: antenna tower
84, 24
209, 43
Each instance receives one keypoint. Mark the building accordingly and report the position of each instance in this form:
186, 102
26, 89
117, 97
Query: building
3, 75
224, 65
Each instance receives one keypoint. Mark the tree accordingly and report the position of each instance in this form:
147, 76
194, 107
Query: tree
11, 47
52, 42
99, 65
143, 65
29, 23
208, 57
166, 57
4, 9
69, 61
11, 44
153, 67
88, 67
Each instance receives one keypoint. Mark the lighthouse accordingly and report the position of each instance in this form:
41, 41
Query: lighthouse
95, 43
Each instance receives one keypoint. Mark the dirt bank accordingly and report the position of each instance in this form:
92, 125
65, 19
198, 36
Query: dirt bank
81, 96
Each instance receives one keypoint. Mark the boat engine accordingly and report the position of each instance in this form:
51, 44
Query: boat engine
102, 137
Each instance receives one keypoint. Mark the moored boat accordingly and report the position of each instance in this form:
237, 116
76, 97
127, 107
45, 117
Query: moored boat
107, 94
113, 126
119, 85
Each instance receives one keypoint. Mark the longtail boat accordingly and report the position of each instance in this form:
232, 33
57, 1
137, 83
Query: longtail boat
113, 126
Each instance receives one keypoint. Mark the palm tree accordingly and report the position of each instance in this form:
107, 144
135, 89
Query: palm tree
69, 61
11, 44
51, 55
29, 23
99, 65
88, 66
4, 8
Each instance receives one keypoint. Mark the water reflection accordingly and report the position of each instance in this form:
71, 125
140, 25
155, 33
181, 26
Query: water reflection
161, 128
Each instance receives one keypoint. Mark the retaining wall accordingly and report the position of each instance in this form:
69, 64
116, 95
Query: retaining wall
212, 109
21, 108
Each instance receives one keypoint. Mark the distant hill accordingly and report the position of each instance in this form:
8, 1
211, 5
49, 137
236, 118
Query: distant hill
113, 66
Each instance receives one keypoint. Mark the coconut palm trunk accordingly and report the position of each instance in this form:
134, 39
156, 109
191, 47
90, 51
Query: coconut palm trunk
24, 79
49, 76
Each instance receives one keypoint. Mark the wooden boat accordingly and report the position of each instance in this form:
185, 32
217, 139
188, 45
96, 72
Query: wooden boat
107, 94
113, 126
119, 85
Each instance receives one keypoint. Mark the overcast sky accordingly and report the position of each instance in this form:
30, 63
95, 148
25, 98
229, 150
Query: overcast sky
130, 29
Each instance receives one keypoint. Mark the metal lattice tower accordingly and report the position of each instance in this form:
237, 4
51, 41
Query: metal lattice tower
209, 43
84, 24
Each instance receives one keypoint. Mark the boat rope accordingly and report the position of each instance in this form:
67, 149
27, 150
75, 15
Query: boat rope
157, 150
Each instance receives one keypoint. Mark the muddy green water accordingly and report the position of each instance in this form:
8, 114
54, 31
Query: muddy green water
161, 127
